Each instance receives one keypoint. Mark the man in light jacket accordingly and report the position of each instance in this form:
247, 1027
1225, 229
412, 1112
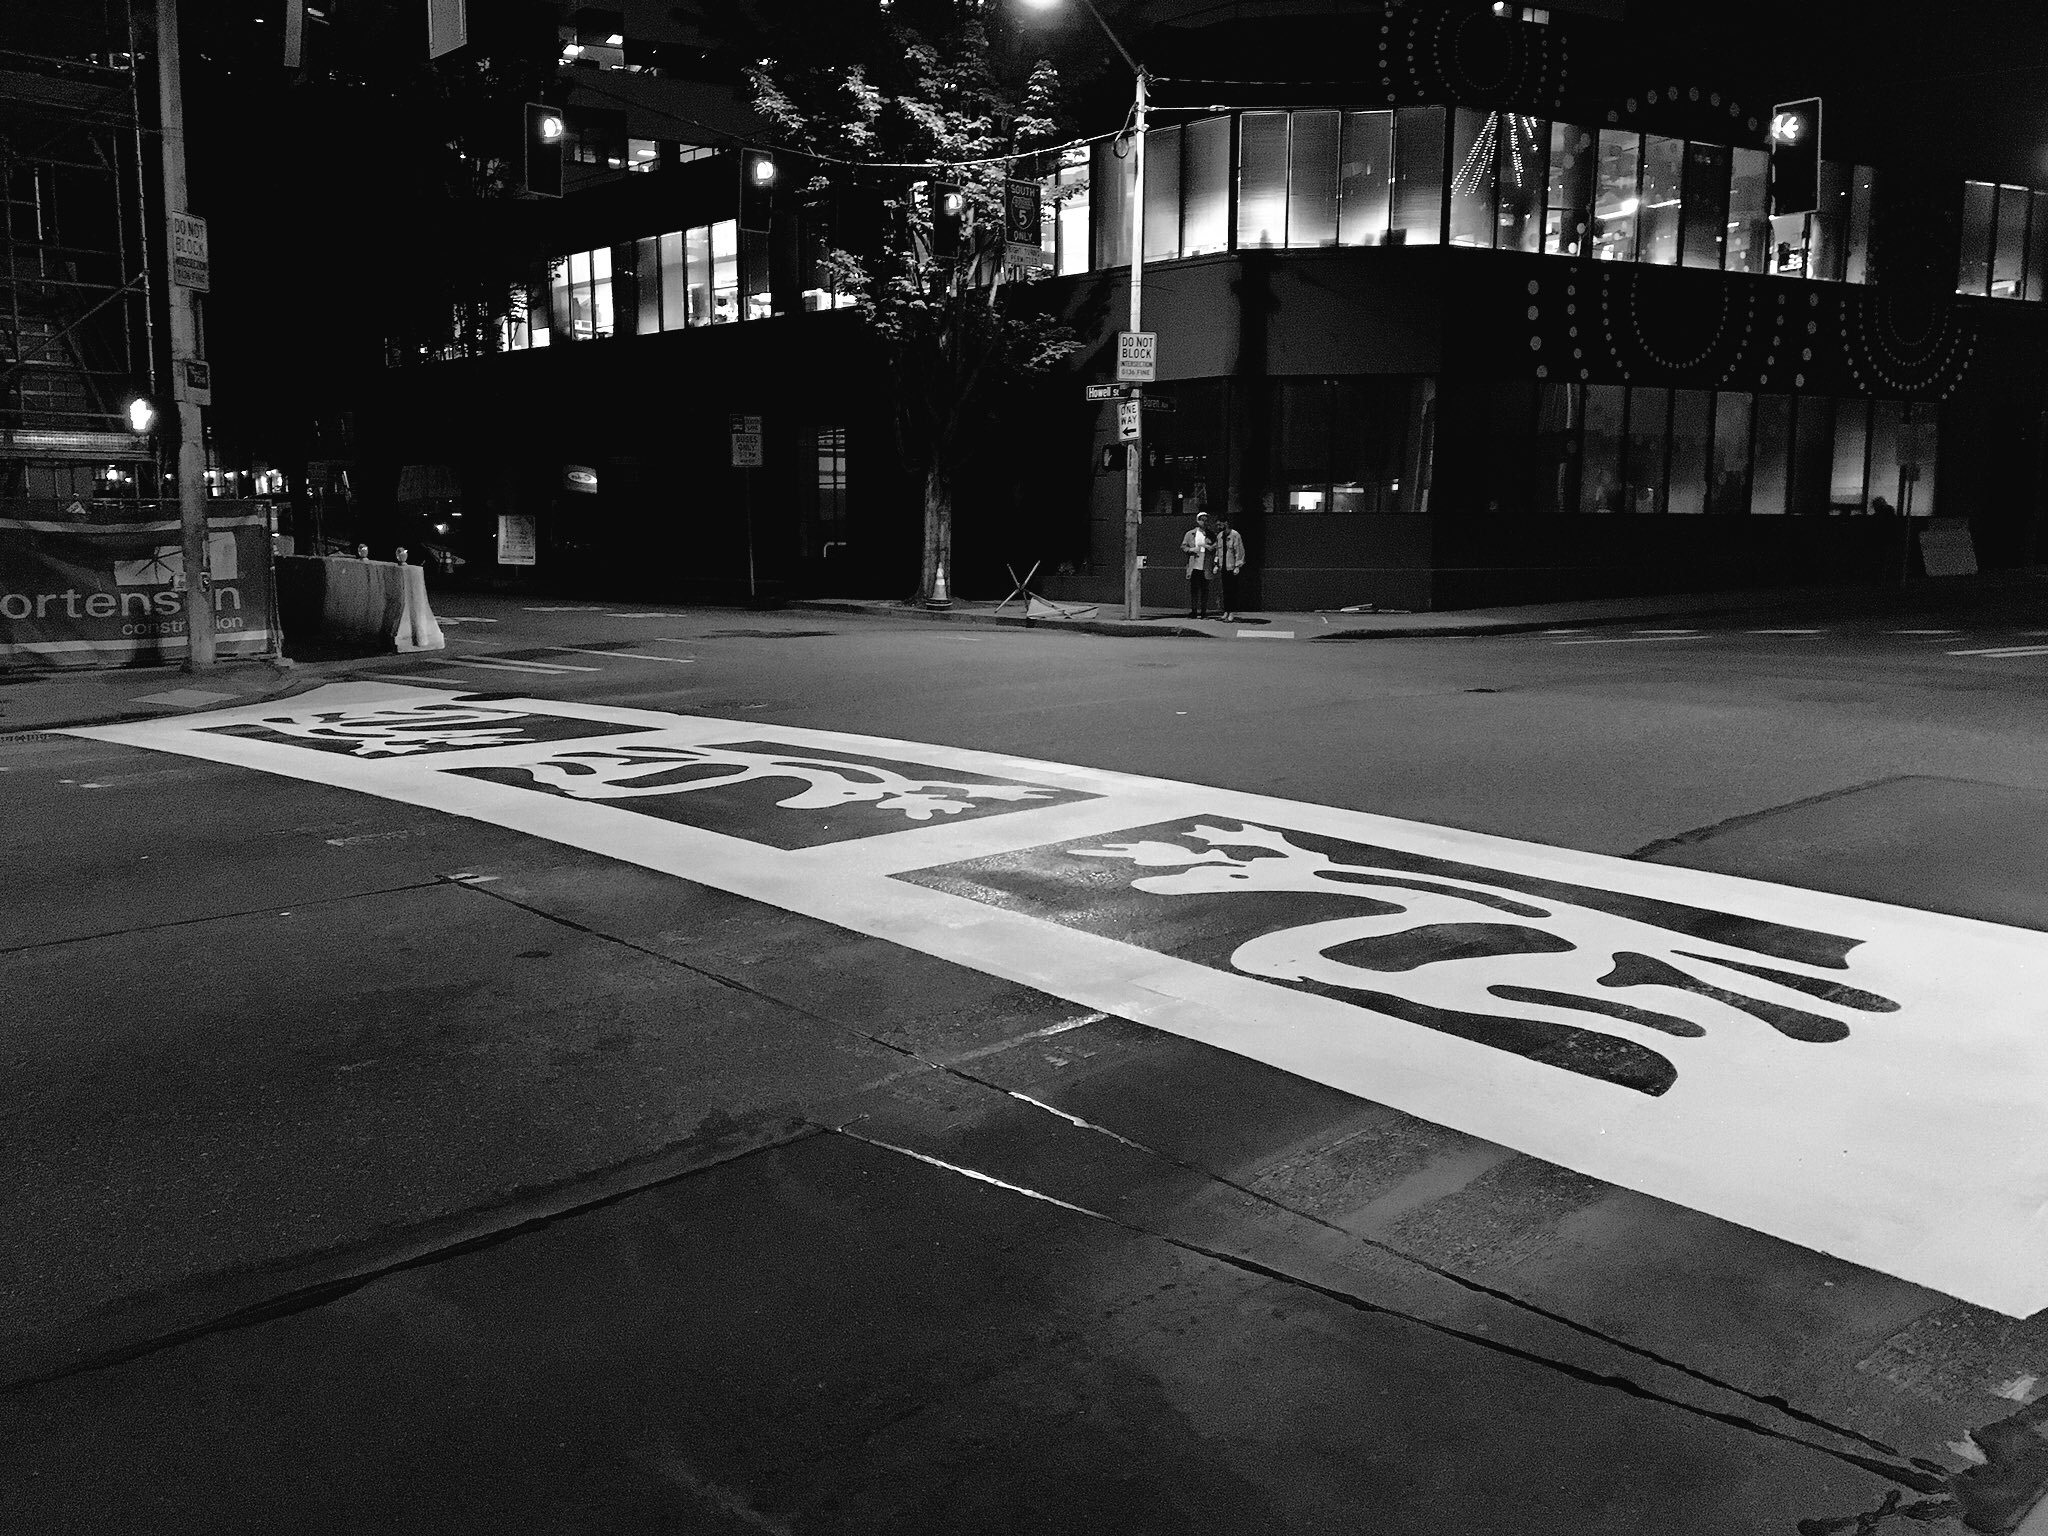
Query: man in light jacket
1229, 563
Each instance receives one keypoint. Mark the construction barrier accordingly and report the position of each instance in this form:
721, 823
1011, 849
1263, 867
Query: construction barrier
376, 604
76, 592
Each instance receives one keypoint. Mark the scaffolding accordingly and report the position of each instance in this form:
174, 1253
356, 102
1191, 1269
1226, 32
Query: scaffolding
77, 334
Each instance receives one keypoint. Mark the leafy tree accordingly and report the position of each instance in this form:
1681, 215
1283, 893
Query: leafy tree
903, 112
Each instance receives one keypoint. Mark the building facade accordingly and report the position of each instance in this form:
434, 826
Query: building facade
1481, 325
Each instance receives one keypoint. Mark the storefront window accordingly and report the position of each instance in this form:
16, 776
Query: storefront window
1771, 463
1418, 176
1728, 495
647, 268
1162, 194
1749, 211
1648, 412
1567, 212
1559, 408
581, 324
1973, 271
725, 272
1111, 177
1262, 180
1312, 180
675, 302
1788, 244
1862, 199
1301, 449
601, 292
1072, 195
1830, 224
1813, 454
1366, 416
1365, 178
562, 312
1852, 440
1205, 211
1518, 176
1692, 430
2037, 248
1600, 488
1663, 178
1473, 154
1191, 473
697, 251
1705, 236
2010, 253
1617, 195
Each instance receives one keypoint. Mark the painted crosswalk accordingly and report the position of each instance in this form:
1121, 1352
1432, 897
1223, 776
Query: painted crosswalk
1858, 1078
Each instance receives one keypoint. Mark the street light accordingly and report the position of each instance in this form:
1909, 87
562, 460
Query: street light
141, 414
1134, 450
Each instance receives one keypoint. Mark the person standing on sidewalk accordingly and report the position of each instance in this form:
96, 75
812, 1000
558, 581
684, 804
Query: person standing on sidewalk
1199, 545
1229, 565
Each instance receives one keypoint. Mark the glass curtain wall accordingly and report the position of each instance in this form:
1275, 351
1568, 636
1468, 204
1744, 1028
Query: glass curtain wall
1749, 211
1365, 179
1205, 179
2009, 245
1474, 167
1568, 204
1262, 180
1704, 238
1522, 145
1663, 177
1418, 176
1312, 179
1617, 195
1973, 266
1162, 194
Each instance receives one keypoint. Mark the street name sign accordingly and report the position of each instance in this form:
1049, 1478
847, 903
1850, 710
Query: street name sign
189, 265
1106, 392
1137, 356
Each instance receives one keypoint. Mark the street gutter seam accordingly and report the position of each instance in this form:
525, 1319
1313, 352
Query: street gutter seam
306, 1298
223, 917
1659, 845
951, 1069
1905, 1476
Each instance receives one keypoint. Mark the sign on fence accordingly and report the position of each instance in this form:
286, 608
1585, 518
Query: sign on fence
100, 594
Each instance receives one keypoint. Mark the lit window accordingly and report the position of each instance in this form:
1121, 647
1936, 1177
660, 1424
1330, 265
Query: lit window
643, 155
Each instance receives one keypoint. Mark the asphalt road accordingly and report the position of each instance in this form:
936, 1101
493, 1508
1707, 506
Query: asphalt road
376, 1167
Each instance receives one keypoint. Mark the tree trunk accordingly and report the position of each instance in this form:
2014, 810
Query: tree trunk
938, 532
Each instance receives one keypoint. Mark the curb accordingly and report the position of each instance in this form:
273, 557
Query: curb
286, 687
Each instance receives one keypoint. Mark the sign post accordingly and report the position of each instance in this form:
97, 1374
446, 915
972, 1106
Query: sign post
747, 457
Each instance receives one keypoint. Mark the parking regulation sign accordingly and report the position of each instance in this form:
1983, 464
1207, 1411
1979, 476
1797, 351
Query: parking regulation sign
746, 442
1136, 356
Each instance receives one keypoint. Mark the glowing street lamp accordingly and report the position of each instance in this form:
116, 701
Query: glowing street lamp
1134, 450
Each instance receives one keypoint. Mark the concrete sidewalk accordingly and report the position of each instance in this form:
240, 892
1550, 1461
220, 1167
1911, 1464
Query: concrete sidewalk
42, 701
1326, 624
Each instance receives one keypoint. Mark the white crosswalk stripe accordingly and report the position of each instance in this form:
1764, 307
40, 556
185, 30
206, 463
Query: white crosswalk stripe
500, 665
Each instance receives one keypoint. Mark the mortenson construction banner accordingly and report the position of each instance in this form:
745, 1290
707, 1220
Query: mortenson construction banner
104, 594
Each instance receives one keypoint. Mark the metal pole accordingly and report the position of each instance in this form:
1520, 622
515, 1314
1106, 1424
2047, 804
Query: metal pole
1134, 451
191, 447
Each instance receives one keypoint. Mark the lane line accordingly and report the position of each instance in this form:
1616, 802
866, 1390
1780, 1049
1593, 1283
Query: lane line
681, 661
1265, 634
1634, 640
1998, 652
583, 608
547, 669
457, 618
1667, 631
1787, 631
611, 615
1926, 631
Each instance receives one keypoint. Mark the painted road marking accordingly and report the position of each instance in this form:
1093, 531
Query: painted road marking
1927, 631
512, 666
567, 608
450, 618
1265, 634
2000, 651
662, 615
579, 650
1667, 631
1859, 1078
1636, 639
1788, 631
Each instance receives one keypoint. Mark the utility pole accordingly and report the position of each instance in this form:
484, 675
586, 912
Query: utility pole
1134, 451
191, 441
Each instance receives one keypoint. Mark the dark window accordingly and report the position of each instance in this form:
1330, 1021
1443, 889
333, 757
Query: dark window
1162, 194
2037, 248
1617, 195
1559, 410
1366, 178
1301, 449
1419, 176
1692, 430
1649, 427
1473, 161
824, 527
1728, 495
1568, 205
1312, 180
2010, 253
1749, 211
1600, 488
1518, 173
1705, 237
1846, 490
1771, 460
1191, 472
1973, 271
1262, 180
1830, 223
1813, 454
1663, 180
1862, 198
647, 272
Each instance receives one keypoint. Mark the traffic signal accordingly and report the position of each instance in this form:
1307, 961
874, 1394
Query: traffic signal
949, 219
1795, 156
758, 174
545, 129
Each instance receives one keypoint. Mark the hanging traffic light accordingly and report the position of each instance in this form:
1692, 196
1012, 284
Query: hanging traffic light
758, 173
949, 219
1795, 156
546, 128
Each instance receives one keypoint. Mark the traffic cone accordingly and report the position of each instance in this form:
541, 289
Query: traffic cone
939, 598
